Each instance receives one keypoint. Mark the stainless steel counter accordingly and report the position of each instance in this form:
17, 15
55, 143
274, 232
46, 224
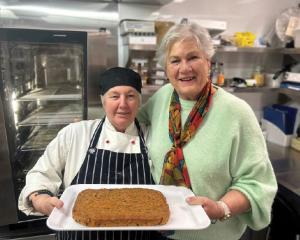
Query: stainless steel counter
286, 164
286, 206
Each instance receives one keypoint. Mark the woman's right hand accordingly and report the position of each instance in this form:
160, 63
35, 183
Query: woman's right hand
210, 206
44, 203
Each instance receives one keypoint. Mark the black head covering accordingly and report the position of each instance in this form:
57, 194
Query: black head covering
119, 76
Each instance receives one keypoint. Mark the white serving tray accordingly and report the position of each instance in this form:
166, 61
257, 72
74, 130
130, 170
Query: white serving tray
182, 215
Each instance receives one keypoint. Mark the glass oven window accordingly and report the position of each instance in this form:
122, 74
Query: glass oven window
44, 88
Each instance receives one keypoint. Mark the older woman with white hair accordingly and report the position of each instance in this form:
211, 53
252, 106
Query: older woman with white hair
208, 140
107, 151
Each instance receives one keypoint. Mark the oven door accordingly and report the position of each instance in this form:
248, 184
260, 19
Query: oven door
8, 208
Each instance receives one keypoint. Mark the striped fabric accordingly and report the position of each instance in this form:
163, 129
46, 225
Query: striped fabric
106, 167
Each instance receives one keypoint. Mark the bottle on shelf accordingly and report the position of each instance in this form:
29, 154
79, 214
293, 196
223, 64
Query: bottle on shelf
259, 77
139, 69
221, 76
214, 73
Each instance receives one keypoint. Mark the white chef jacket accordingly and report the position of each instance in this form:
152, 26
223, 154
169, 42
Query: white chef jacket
67, 152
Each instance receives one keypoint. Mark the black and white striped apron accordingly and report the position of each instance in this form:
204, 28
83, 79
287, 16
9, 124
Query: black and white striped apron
107, 167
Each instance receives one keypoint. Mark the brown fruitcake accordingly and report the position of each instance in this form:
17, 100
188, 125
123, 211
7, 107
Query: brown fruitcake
121, 207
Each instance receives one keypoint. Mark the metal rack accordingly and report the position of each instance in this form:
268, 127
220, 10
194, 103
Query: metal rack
52, 94
39, 138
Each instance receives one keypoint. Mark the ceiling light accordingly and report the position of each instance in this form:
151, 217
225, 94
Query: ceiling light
66, 12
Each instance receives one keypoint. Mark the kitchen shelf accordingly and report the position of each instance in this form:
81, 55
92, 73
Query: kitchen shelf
290, 51
234, 49
250, 89
294, 94
52, 94
142, 47
53, 115
48, 119
59, 109
40, 138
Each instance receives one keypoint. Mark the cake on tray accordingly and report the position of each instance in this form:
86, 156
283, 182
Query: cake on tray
121, 207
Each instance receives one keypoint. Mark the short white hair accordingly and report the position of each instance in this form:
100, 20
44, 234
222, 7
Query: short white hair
184, 31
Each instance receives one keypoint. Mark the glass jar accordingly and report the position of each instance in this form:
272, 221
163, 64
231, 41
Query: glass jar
259, 77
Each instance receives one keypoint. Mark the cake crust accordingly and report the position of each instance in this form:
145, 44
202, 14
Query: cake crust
120, 207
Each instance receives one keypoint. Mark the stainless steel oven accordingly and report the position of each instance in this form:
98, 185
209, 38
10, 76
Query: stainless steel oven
43, 87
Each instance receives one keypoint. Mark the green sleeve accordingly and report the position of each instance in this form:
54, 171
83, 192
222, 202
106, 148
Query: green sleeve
251, 170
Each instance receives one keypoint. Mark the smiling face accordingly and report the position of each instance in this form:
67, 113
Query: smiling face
121, 104
187, 68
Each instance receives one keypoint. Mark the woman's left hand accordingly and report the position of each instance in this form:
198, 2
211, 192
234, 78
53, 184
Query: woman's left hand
210, 206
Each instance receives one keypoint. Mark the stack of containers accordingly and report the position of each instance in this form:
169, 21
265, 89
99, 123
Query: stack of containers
279, 122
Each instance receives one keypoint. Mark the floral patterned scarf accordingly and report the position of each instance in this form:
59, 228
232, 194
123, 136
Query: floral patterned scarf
175, 171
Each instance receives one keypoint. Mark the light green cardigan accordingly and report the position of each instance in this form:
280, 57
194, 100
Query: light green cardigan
227, 152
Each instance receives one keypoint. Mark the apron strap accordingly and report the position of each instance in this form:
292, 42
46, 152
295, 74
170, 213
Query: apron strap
143, 146
96, 135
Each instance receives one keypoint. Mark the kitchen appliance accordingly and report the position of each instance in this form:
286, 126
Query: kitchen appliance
42, 89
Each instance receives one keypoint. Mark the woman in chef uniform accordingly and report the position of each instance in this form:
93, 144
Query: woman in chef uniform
107, 151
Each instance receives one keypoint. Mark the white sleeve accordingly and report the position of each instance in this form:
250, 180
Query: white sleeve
47, 172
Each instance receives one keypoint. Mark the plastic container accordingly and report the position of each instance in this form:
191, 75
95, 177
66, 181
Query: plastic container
275, 135
282, 116
244, 39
